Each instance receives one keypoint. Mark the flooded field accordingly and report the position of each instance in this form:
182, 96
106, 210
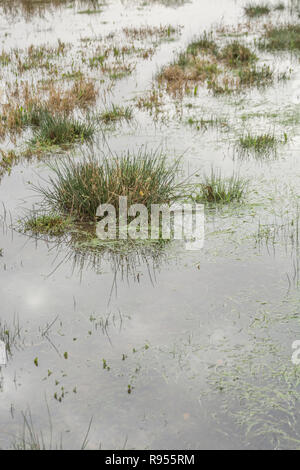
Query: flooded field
139, 345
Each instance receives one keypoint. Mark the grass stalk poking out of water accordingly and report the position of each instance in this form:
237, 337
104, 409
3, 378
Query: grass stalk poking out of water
255, 10
115, 114
262, 145
10, 335
218, 189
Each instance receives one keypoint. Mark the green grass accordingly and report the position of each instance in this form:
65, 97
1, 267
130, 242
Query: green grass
217, 189
263, 144
60, 130
5, 59
33, 116
47, 224
285, 38
206, 123
27, 117
236, 54
254, 10
51, 130
8, 159
78, 188
204, 43
116, 113
258, 76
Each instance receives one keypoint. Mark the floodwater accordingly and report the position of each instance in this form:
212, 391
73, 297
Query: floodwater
168, 350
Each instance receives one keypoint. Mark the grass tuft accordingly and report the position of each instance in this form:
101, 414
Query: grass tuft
236, 54
207, 123
261, 145
204, 44
253, 10
60, 130
285, 38
224, 71
258, 76
217, 189
116, 113
78, 188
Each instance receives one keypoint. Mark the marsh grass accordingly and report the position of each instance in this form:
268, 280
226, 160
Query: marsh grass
114, 61
260, 77
38, 57
236, 54
60, 130
5, 59
255, 10
204, 43
208, 123
281, 38
29, 105
218, 189
263, 145
197, 63
29, 7
283, 230
53, 225
224, 70
8, 159
151, 101
145, 32
115, 114
78, 188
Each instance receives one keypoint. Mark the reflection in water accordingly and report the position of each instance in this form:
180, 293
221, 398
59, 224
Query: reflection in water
28, 8
127, 260
109, 322
127, 263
